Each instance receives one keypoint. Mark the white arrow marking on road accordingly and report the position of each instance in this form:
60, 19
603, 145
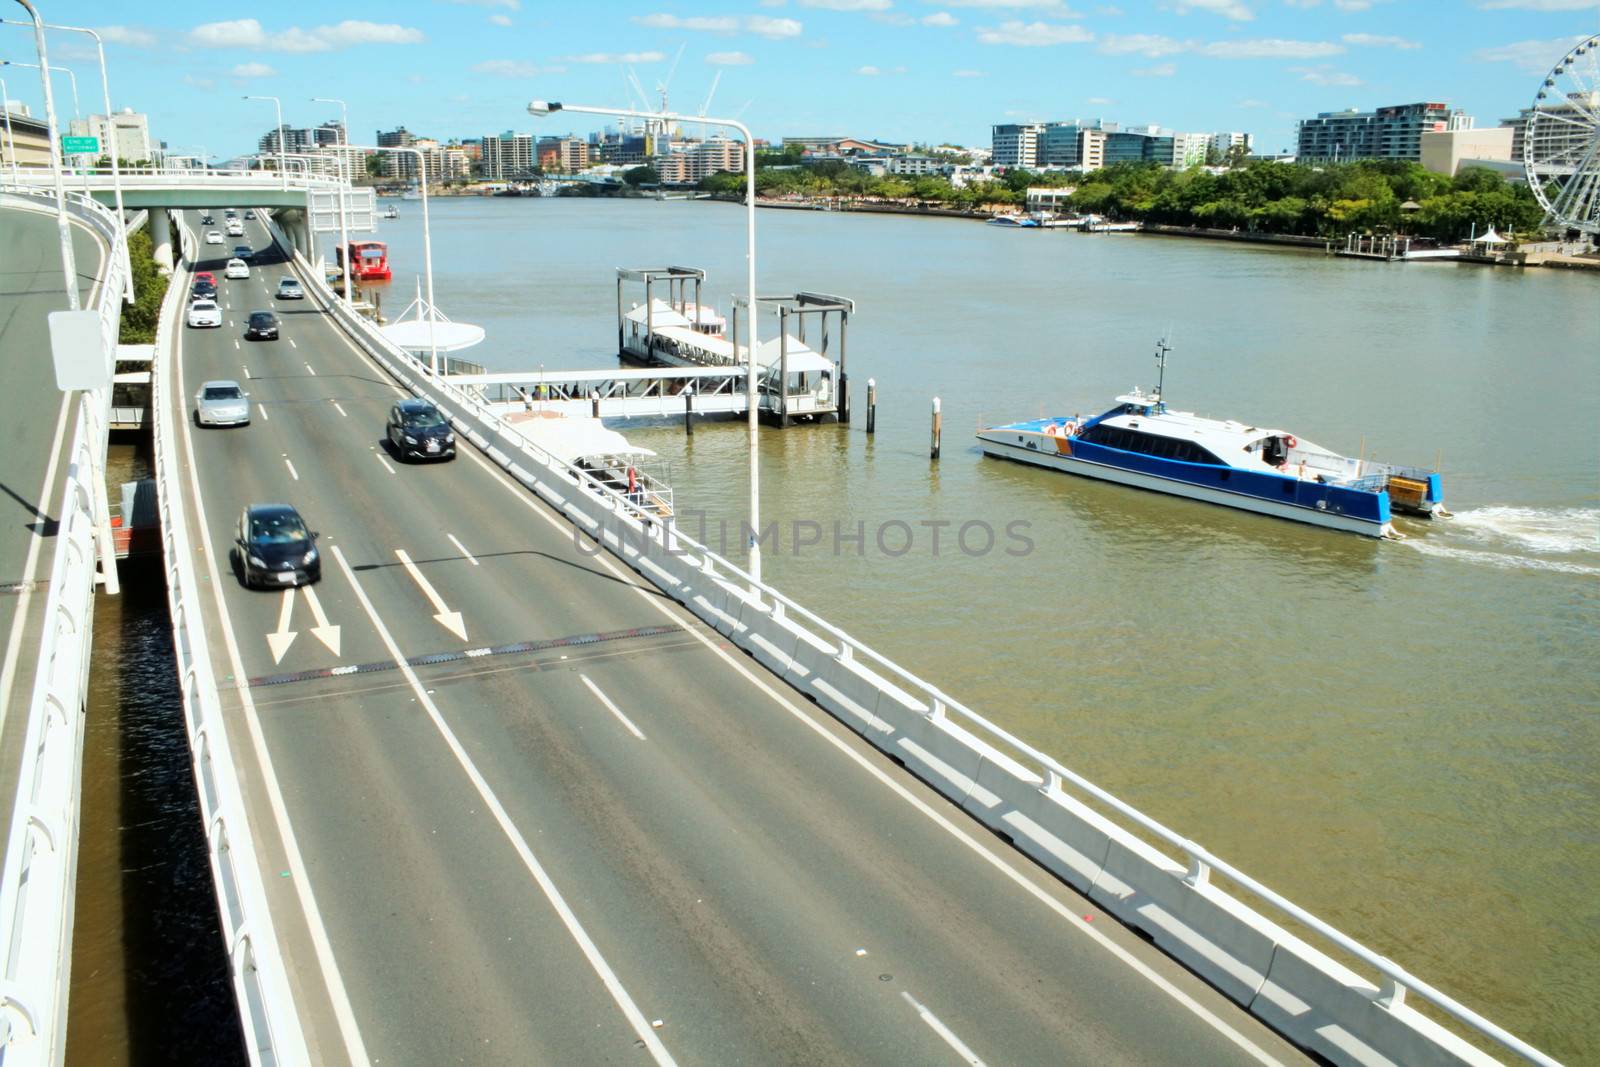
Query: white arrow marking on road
279, 642
328, 635
308, 367
262, 408
450, 620
341, 411
292, 344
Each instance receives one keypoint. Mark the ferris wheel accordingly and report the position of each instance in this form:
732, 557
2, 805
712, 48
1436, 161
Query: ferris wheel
1561, 142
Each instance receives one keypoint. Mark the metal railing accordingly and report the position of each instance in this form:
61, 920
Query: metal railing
297, 178
38, 878
1395, 980
272, 1027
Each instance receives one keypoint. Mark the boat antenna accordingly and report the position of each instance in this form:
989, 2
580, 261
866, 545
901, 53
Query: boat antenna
1162, 348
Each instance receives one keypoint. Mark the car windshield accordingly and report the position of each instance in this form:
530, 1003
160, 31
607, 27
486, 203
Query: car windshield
422, 420
261, 318
281, 529
203, 305
288, 283
223, 392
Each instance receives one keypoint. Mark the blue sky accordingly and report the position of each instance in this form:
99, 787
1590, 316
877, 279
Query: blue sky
926, 70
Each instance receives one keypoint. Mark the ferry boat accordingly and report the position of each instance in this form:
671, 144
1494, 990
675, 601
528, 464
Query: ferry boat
1024, 221
1140, 442
390, 212
369, 261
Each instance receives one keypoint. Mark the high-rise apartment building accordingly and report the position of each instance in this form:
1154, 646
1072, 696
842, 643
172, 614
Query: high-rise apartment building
568, 154
1561, 137
688, 163
127, 130
507, 157
1016, 145
1385, 133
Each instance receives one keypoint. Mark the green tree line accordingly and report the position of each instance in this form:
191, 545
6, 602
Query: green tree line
149, 289
1327, 200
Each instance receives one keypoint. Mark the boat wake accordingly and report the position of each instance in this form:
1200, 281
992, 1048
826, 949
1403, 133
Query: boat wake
1548, 539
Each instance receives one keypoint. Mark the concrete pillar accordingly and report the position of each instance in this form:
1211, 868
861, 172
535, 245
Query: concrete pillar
161, 238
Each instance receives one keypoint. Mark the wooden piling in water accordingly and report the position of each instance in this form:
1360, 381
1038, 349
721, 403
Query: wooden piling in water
938, 427
594, 402
872, 405
688, 411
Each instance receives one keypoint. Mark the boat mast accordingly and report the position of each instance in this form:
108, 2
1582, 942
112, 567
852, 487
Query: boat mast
1162, 348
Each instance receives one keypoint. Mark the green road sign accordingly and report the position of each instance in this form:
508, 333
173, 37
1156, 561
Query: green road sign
80, 144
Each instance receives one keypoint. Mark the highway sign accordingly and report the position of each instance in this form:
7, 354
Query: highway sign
80, 144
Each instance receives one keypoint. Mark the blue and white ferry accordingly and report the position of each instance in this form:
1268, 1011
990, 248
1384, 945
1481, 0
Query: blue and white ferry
1140, 442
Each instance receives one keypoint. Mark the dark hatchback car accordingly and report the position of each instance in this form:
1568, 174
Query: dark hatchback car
262, 326
203, 290
417, 429
275, 548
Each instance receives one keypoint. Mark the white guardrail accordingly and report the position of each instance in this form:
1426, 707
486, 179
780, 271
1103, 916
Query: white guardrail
148, 177
38, 882
272, 1027
1043, 808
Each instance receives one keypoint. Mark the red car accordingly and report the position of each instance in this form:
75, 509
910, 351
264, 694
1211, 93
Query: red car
205, 276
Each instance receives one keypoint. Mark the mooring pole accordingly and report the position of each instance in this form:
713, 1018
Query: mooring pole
844, 378
937, 427
872, 405
688, 411
594, 402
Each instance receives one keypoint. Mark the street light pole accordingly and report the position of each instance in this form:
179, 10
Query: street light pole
69, 264
427, 248
542, 108
111, 135
277, 106
11, 141
344, 193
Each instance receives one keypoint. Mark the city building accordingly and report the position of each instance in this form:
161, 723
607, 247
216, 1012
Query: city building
843, 146
506, 157
1447, 151
128, 130
1226, 142
567, 154
303, 139
1386, 133
397, 164
1016, 144
692, 161
1563, 137
27, 140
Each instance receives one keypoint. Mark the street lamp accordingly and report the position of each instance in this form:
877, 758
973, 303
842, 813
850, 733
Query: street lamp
73, 78
544, 108
277, 106
344, 193
69, 263
11, 141
427, 247
111, 135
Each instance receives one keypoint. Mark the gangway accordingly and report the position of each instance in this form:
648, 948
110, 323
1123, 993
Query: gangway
623, 393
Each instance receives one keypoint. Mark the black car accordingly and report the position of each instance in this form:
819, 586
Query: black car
275, 548
417, 429
250, 216
262, 326
206, 220
203, 291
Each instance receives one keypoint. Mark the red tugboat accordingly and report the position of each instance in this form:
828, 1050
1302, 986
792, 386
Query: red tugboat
369, 261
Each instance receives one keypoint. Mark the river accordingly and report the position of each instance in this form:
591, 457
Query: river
1402, 737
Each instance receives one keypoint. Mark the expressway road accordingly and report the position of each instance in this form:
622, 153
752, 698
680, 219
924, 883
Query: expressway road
572, 850
35, 434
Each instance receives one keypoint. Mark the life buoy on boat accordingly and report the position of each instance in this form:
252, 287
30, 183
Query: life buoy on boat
1070, 430
1289, 440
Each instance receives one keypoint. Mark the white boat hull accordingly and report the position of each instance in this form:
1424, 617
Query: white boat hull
1137, 479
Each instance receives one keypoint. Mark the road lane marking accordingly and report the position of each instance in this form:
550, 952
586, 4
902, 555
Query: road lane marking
246, 369
292, 344
641, 1026
341, 411
339, 997
938, 1027
384, 462
463, 549
235, 342
651, 596
450, 620
308, 367
595, 689
280, 640
292, 472
328, 635
230, 324
262, 408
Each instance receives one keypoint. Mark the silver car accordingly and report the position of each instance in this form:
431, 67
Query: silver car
289, 289
221, 403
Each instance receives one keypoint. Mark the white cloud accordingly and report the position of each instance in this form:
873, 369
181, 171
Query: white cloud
1302, 3
1228, 9
1535, 57
1540, 5
730, 59
1270, 48
1160, 70
199, 83
940, 18
1153, 45
132, 36
968, 74
248, 33
849, 5
252, 70
513, 68
868, 72
766, 26
699, 23
1253, 103
1003, 4
1378, 40
1033, 34
1352, 5
617, 57
509, 5
500, 20
1323, 75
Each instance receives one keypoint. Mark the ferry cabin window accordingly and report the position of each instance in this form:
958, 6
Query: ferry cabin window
1149, 444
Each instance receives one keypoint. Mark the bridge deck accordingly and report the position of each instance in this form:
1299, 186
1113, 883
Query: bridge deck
35, 427
586, 826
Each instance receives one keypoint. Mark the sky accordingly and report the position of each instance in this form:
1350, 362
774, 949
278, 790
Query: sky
934, 71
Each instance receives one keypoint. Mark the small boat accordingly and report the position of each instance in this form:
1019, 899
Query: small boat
411, 194
1023, 221
609, 460
1113, 227
390, 212
1140, 442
